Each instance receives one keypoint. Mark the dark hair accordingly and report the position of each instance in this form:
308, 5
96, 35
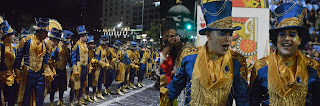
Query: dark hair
167, 24
312, 54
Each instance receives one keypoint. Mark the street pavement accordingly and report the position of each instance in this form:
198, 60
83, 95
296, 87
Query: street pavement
145, 96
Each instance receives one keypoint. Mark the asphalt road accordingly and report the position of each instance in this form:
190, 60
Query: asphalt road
145, 96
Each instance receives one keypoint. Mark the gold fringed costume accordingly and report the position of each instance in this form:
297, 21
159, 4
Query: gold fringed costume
212, 79
74, 82
36, 53
121, 67
288, 79
9, 76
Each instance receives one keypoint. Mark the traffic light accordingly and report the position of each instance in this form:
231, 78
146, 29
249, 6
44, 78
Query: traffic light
189, 27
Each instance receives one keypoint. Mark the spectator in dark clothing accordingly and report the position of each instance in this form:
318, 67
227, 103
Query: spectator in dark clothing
308, 49
316, 39
313, 1
307, 24
309, 46
313, 35
315, 56
312, 17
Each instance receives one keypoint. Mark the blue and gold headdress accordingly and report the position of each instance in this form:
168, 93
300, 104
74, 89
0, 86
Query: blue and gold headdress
290, 16
55, 33
90, 39
104, 39
67, 35
217, 15
82, 30
6, 28
42, 24
133, 45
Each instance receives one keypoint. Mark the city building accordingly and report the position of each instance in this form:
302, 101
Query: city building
122, 19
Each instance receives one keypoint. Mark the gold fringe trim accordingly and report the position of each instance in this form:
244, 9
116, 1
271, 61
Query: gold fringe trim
296, 98
201, 96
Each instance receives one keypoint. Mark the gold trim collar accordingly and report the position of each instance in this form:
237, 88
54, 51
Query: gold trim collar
205, 72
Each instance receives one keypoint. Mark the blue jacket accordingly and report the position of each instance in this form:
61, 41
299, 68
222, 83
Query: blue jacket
24, 52
184, 74
260, 93
3, 66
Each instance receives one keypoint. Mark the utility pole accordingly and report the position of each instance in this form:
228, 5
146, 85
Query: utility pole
142, 13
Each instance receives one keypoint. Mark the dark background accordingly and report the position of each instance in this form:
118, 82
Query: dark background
69, 13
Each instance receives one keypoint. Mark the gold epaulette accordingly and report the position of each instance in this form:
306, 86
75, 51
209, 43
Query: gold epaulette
74, 47
188, 51
314, 64
243, 63
260, 63
257, 66
23, 41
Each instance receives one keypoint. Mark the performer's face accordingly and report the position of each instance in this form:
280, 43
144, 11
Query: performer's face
16, 41
288, 42
84, 37
168, 34
219, 41
9, 38
41, 34
316, 54
54, 42
91, 46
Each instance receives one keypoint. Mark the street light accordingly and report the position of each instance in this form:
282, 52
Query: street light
119, 25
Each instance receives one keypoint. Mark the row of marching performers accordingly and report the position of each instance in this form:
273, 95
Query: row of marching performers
37, 66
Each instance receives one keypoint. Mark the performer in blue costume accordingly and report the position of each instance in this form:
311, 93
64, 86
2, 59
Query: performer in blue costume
36, 71
62, 56
10, 77
119, 67
91, 68
101, 55
135, 60
79, 62
287, 77
145, 57
212, 74
126, 60
110, 75
150, 61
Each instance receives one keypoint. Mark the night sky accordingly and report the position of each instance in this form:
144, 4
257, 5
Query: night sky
21, 13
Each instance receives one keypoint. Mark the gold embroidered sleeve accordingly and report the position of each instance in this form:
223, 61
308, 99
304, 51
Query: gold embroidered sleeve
243, 63
163, 80
186, 52
48, 72
164, 99
74, 47
257, 66
22, 41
